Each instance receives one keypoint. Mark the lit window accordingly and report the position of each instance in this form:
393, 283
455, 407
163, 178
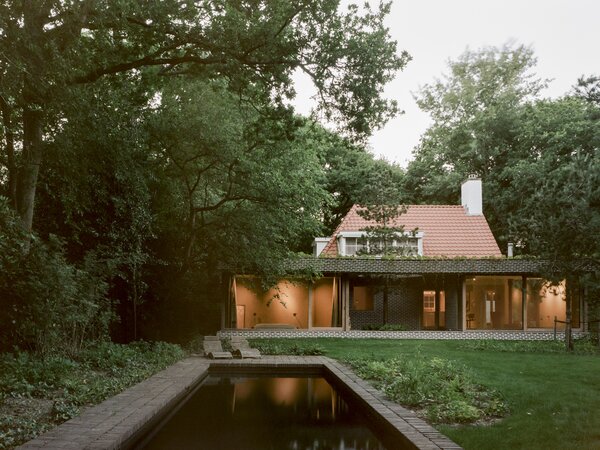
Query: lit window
362, 298
429, 301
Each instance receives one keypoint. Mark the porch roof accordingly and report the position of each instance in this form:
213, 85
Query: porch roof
357, 265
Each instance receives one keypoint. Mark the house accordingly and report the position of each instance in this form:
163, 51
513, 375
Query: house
451, 276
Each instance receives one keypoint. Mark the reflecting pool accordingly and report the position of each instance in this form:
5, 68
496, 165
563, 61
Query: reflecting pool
263, 413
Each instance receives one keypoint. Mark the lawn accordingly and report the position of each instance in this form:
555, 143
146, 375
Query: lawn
553, 397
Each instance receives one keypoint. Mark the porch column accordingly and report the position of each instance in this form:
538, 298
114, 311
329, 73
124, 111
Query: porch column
310, 305
463, 313
345, 293
436, 314
524, 301
583, 305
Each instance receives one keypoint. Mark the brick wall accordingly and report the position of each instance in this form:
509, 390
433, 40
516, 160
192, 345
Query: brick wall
405, 303
453, 289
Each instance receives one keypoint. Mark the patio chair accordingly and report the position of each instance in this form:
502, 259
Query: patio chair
241, 348
213, 348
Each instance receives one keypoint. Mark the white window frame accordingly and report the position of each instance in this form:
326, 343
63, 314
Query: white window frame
341, 240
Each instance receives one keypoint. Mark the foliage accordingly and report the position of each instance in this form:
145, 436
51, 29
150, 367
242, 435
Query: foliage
445, 391
48, 303
583, 346
560, 175
476, 110
383, 208
51, 49
96, 194
588, 88
385, 327
288, 347
531, 154
37, 393
349, 171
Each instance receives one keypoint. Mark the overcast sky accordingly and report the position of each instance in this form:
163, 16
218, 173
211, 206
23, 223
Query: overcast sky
564, 34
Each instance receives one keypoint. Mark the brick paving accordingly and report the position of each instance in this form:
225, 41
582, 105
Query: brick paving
119, 421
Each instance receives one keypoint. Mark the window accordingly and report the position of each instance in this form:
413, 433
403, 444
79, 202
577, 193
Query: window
357, 245
354, 245
362, 298
494, 302
429, 301
429, 316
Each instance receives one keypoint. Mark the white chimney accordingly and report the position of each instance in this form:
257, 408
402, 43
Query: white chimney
319, 245
471, 196
510, 251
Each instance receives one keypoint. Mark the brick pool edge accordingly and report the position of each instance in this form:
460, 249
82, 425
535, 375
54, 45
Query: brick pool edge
121, 420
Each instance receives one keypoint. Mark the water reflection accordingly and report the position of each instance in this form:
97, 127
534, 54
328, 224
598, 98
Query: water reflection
265, 413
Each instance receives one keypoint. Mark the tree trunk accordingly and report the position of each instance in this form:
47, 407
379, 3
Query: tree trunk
568, 314
30, 167
10, 151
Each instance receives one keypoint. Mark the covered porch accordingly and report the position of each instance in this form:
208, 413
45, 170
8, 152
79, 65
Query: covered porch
421, 295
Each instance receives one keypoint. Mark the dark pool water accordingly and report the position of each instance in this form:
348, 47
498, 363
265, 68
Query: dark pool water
278, 413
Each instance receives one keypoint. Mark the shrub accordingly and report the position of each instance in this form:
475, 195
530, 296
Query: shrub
28, 375
582, 346
386, 327
64, 385
48, 304
291, 348
444, 390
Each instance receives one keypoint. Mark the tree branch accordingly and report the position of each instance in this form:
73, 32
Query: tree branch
144, 62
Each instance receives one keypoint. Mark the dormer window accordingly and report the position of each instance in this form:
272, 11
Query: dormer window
356, 244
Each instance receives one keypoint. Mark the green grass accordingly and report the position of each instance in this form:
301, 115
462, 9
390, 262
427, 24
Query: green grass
553, 397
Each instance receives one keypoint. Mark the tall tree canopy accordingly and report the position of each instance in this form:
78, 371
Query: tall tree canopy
489, 121
50, 48
476, 110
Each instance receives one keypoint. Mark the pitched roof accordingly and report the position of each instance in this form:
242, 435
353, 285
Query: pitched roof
447, 231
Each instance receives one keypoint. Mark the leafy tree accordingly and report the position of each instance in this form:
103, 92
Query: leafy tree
239, 188
47, 304
95, 191
588, 88
348, 170
556, 195
476, 112
157, 138
386, 238
51, 48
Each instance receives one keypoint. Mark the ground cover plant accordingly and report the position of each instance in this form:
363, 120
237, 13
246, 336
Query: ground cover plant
443, 391
551, 396
385, 327
288, 347
38, 393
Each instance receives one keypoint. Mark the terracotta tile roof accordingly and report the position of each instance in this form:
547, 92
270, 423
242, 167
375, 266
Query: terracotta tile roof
448, 231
